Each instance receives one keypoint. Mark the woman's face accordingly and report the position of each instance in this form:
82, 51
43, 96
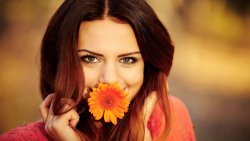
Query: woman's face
109, 53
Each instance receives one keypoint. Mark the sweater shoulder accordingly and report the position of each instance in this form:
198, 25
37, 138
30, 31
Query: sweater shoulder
31, 131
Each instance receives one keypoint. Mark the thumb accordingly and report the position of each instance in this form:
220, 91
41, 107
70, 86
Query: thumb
70, 118
74, 119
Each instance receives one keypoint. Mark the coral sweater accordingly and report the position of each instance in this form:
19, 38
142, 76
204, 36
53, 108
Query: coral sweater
182, 128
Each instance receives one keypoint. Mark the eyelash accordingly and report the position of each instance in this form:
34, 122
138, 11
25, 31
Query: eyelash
86, 58
125, 60
132, 60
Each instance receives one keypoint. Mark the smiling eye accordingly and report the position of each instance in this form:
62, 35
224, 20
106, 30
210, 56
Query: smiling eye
89, 59
128, 60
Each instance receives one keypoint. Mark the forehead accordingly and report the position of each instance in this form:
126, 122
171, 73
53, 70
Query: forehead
107, 34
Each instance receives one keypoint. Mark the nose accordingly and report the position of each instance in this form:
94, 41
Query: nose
108, 74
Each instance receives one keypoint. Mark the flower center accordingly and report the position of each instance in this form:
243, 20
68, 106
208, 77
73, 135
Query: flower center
107, 102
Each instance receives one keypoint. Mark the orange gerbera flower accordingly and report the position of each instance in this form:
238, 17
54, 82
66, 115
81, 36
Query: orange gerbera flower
110, 100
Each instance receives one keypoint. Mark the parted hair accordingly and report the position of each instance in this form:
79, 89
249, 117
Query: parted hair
61, 71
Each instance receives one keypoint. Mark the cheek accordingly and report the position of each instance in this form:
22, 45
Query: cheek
134, 80
134, 75
135, 87
91, 77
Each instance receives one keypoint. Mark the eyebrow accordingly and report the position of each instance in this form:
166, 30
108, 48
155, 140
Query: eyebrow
85, 50
98, 54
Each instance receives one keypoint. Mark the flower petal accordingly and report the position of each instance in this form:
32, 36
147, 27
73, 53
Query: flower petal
107, 116
108, 100
113, 118
99, 114
118, 114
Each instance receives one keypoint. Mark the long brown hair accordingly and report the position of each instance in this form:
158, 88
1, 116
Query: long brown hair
61, 70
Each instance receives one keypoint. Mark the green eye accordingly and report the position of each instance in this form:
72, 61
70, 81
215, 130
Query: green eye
128, 60
89, 59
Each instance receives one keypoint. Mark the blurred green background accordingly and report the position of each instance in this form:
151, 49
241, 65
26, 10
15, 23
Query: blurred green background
210, 71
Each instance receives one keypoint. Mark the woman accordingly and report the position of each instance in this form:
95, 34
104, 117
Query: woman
119, 42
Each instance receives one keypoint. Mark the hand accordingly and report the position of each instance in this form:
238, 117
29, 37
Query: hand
148, 108
59, 127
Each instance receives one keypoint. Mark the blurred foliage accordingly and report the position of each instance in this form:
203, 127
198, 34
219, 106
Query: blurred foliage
214, 19
22, 24
211, 64
242, 7
3, 24
210, 71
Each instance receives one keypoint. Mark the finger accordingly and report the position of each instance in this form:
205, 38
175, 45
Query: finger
50, 119
74, 119
149, 105
58, 125
167, 86
50, 114
44, 107
67, 103
70, 118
